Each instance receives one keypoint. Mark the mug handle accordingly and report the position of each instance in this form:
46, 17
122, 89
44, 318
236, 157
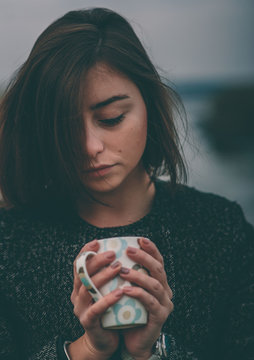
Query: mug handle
84, 276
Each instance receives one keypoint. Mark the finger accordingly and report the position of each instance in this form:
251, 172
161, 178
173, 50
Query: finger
96, 262
99, 279
106, 274
157, 312
91, 317
151, 285
149, 247
81, 302
155, 267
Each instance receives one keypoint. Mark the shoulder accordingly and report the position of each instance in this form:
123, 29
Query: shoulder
11, 219
19, 229
195, 206
14, 227
206, 221
208, 229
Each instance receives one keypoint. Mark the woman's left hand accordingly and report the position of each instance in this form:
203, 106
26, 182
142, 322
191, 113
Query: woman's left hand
153, 292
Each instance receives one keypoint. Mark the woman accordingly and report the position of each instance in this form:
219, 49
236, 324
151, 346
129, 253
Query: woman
87, 127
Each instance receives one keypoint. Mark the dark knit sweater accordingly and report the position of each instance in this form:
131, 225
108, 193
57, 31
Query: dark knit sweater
208, 249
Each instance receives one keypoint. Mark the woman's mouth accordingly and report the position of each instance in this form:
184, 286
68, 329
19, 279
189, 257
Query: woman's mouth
99, 171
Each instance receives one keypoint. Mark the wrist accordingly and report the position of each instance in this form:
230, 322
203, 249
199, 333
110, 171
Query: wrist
160, 350
94, 353
82, 349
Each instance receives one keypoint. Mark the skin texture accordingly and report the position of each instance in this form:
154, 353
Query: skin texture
115, 138
120, 145
126, 187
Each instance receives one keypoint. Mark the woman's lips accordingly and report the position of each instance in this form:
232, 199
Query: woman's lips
99, 170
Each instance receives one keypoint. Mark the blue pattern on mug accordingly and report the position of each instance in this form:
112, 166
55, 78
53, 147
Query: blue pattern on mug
85, 282
120, 244
127, 312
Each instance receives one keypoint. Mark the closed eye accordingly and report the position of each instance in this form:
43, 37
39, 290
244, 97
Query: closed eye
112, 121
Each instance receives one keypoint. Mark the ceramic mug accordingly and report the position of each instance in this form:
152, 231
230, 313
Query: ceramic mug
127, 312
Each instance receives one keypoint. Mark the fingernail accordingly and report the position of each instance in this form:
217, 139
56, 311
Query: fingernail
145, 241
115, 264
110, 255
132, 250
124, 270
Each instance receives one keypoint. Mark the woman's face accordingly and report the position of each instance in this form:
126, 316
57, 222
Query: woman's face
115, 129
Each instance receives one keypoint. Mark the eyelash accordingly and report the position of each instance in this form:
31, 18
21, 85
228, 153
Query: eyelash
112, 122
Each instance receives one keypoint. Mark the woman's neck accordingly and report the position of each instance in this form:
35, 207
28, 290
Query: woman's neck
122, 206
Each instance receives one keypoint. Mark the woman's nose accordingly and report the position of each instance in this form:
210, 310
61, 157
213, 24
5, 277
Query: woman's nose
94, 144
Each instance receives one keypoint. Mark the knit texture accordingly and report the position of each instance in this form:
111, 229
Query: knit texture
208, 250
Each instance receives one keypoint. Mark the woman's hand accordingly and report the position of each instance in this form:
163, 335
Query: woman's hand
155, 294
96, 343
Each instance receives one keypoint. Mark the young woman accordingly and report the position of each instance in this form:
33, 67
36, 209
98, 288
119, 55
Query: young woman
87, 127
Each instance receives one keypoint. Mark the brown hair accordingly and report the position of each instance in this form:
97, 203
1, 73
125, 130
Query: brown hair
41, 138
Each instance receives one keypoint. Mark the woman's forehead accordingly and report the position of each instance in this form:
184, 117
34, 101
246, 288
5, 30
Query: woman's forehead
104, 85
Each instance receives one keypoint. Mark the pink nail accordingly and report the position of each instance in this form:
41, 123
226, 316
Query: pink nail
145, 241
115, 264
124, 270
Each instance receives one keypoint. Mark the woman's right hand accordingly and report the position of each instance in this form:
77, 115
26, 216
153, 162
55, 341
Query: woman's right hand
96, 343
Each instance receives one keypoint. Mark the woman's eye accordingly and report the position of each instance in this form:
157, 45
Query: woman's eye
113, 121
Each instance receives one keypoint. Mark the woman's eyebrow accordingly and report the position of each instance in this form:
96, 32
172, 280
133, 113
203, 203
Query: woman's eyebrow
108, 101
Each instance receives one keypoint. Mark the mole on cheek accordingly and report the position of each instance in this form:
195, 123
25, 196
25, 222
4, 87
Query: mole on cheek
119, 150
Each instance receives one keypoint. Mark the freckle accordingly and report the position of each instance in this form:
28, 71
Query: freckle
119, 150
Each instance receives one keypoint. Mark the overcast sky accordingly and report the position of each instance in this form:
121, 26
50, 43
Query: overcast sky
189, 39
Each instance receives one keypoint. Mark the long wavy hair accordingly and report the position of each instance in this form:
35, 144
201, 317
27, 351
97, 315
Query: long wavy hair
41, 124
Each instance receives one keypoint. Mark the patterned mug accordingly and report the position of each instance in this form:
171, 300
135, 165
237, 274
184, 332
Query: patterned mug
127, 312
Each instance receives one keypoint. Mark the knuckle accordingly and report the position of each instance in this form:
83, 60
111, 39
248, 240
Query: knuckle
170, 294
162, 260
138, 290
73, 296
157, 286
152, 302
165, 315
107, 301
92, 314
84, 321
75, 311
74, 267
171, 307
160, 268
87, 319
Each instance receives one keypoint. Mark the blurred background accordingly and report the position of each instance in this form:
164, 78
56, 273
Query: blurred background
205, 48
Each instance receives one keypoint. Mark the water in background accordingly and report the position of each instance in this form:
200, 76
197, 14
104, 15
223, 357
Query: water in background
219, 166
